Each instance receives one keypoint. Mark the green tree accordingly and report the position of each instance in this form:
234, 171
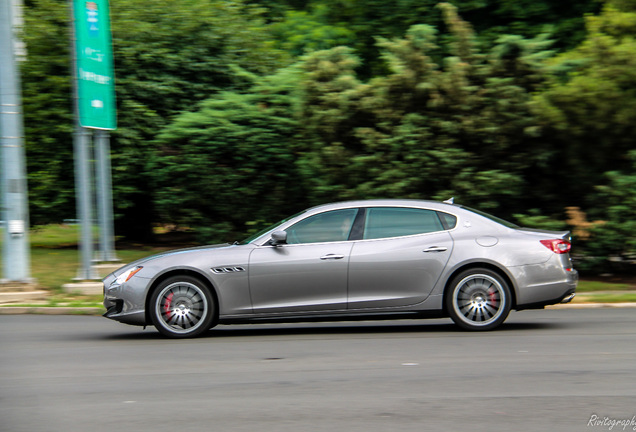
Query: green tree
589, 112
230, 164
368, 19
48, 119
613, 243
459, 127
168, 55
300, 31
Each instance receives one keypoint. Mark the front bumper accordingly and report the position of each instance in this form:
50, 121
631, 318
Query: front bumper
126, 302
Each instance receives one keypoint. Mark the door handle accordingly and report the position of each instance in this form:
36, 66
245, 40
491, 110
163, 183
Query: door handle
331, 257
436, 249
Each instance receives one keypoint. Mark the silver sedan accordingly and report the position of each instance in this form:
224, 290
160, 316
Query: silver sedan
354, 260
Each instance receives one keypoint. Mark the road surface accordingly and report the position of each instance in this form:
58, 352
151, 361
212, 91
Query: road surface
550, 370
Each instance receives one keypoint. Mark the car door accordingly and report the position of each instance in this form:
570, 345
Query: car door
309, 272
399, 259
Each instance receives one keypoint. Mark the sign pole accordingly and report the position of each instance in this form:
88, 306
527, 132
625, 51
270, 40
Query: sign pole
94, 95
104, 196
81, 139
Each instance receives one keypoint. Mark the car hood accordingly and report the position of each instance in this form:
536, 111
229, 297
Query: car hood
166, 254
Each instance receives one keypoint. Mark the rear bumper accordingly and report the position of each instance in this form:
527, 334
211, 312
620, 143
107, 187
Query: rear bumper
541, 285
566, 298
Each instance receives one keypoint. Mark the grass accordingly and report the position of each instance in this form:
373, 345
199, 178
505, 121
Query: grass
55, 262
55, 267
592, 286
606, 297
54, 236
594, 291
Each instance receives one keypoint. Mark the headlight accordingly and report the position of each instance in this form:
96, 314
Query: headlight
125, 276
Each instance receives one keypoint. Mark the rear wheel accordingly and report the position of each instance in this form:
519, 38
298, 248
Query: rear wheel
478, 299
181, 307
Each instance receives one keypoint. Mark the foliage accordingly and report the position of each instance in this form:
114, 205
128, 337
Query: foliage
535, 219
562, 19
172, 53
234, 113
301, 31
591, 117
168, 54
47, 107
615, 237
231, 161
462, 127
362, 21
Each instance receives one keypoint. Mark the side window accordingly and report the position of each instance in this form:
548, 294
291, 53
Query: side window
449, 220
383, 222
324, 227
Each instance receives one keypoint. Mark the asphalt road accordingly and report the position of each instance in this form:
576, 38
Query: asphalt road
549, 370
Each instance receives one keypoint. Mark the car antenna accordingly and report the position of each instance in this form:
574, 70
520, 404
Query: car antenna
451, 200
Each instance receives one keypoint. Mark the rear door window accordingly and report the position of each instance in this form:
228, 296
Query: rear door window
385, 222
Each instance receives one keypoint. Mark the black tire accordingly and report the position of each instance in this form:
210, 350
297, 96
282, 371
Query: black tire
182, 307
478, 299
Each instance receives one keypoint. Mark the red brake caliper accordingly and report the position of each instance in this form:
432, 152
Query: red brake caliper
492, 295
167, 304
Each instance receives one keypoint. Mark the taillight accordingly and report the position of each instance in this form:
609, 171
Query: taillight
558, 246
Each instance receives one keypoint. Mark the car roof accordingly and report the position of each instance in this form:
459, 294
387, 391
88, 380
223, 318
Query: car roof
433, 205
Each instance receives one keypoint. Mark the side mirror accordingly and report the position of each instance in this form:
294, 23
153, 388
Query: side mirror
278, 238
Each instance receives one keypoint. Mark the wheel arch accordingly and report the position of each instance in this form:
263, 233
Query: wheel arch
487, 266
181, 272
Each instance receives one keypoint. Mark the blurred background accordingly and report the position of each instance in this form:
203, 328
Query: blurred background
234, 114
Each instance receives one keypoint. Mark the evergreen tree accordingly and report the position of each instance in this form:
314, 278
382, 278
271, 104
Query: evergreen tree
589, 112
461, 127
229, 166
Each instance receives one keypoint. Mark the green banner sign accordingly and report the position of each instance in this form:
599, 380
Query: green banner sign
94, 64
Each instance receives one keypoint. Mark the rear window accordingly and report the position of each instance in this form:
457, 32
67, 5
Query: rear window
492, 218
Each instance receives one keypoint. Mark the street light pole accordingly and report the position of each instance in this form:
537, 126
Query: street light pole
16, 254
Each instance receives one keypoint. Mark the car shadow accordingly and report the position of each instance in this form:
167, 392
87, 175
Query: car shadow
340, 328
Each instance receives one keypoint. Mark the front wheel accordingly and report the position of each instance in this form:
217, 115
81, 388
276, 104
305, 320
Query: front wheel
478, 299
182, 307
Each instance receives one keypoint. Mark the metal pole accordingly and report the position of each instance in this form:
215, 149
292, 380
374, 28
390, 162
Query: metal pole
81, 138
83, 196
104, 196
16, 254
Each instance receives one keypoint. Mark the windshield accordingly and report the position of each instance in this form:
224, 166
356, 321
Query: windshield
266, 230
492, 218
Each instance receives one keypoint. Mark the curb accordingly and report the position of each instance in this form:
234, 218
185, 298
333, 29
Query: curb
591, 305
43, 310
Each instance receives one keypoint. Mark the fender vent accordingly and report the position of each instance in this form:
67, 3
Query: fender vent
236, 269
